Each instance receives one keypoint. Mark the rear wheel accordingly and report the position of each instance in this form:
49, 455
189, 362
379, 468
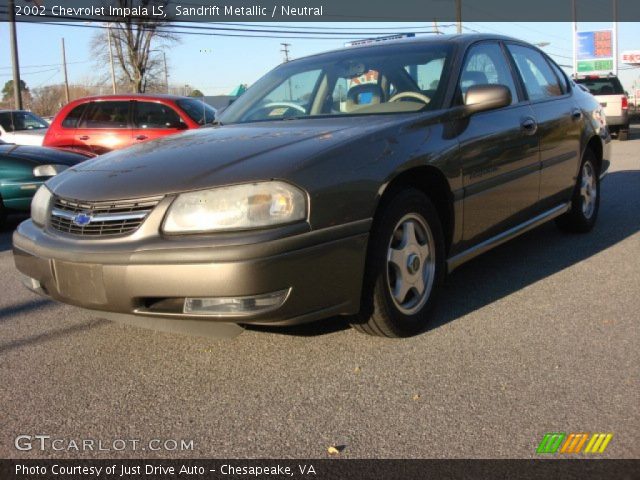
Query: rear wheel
405, 267
623, 133
585, 201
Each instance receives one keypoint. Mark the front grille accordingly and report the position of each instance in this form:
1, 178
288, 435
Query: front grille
99, 219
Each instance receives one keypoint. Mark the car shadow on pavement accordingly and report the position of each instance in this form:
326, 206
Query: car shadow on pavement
525, 260
8, 311
52, 335
6, 230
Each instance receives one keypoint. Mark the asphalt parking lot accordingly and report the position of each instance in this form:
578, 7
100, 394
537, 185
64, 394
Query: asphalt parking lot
540, 335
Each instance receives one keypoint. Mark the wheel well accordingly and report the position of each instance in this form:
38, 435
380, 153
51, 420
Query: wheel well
434, 185
595, 145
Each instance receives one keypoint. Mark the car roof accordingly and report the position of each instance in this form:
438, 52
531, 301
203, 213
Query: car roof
131, 96
463, 40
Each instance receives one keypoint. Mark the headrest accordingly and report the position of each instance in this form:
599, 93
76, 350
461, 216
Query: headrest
471, 78
365, 94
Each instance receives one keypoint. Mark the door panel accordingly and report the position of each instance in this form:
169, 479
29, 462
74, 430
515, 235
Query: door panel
153, 120
559, 123
559, 135
499, 151
500, 168
105, 127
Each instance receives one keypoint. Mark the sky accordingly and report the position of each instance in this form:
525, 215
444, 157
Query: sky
215, 65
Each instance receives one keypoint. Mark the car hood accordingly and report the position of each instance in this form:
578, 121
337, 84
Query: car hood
25, 137
209, 157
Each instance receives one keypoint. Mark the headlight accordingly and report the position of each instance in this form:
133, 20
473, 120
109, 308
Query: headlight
48, 170
40, 206
238, 207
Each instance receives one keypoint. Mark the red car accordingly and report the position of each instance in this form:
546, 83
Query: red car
104, 123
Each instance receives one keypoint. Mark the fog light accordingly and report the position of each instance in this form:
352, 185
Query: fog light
236, 306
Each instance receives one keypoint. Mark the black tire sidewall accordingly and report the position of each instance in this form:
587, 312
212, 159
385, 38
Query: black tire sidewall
410, 201
587, 223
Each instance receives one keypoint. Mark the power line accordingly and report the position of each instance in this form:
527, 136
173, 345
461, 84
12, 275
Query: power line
213, 32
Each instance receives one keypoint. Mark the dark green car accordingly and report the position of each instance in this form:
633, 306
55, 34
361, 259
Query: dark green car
24, 168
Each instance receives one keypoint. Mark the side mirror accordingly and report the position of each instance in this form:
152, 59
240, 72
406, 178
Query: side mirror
480, 98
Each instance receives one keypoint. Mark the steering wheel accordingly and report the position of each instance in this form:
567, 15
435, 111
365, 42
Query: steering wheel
415, 95
295, 106
264, 110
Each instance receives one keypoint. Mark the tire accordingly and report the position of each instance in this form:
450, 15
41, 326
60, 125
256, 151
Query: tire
585, 201
3, 214
623, 133
408, 224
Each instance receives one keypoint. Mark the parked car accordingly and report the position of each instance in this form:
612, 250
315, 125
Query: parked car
22, 127
105, 123
609, 92
345, 183
24, 168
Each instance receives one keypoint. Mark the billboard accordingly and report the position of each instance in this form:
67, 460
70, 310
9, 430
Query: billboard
594, 52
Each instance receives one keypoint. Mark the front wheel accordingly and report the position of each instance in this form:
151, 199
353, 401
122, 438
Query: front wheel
585, 202
405, 266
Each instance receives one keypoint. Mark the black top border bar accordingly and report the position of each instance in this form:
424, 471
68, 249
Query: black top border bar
281, 11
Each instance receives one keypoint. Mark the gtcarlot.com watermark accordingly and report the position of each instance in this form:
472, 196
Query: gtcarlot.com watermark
44, 443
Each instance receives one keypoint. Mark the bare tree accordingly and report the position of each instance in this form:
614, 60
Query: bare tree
135, 43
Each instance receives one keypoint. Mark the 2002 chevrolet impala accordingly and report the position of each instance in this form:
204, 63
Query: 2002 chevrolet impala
345, 183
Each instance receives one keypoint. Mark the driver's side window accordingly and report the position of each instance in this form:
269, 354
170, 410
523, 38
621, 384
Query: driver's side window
485, 64
296, 89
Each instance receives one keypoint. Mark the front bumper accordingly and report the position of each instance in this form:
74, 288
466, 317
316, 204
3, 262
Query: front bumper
151, 277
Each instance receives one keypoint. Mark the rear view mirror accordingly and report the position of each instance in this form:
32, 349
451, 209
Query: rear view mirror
480, 98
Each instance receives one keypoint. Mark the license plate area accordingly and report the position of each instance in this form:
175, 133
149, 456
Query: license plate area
80, 282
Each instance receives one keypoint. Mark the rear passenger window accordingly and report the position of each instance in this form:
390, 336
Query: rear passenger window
107, 115
564, 83
538, 77
486, 64
71, 120
155, 115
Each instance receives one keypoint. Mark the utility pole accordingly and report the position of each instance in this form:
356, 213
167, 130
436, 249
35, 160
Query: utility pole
64, 69
574, 35
459, 16
166, 71
285, 51
15, 62
113, 72
615, 37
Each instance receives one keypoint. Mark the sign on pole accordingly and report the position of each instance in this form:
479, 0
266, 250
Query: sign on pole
368, 41
595, 52
631, 57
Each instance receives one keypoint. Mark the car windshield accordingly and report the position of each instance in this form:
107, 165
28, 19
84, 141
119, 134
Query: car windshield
197, 110
389, 79
19, 121
602, 86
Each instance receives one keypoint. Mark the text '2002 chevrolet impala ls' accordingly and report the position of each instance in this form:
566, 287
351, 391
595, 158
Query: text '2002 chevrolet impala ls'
345, 183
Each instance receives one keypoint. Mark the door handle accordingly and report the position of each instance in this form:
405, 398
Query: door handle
141, 137
529, 126
84, 137
576, 114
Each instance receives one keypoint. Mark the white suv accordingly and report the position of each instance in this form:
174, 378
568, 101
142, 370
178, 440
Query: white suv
609, 92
